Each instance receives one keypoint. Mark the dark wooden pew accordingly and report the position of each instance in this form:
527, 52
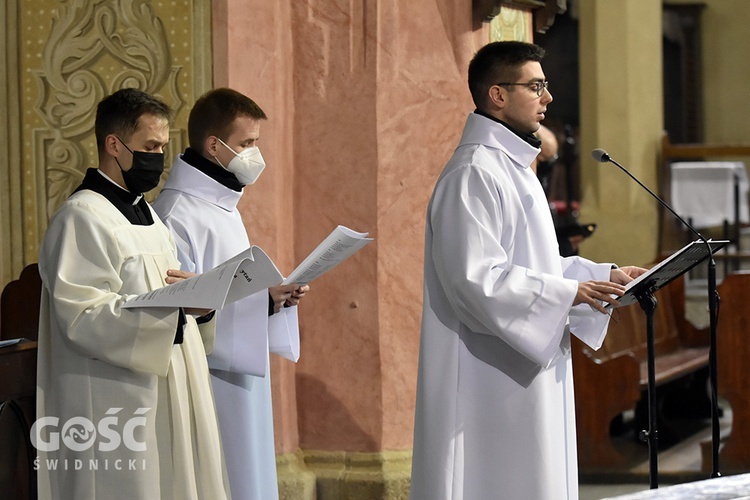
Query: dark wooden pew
19, 318
614, 379
19, 305
733, 372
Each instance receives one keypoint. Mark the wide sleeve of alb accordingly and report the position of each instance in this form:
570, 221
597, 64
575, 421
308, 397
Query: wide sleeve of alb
471, 226
283, 333
586, 323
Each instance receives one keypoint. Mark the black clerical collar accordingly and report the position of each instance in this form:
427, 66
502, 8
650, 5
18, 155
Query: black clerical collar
530, 138
128, 196
211, 169
133, 206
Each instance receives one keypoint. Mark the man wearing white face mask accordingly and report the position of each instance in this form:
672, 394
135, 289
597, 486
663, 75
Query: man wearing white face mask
199, 205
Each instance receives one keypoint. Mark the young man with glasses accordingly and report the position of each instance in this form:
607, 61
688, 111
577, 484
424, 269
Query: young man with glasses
494, 415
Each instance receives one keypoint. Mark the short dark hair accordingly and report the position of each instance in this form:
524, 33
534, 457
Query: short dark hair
498, 62
215, 111
119, 114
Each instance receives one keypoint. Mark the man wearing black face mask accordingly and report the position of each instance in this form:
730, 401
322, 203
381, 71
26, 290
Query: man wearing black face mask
145, 171
124, 187
134, 382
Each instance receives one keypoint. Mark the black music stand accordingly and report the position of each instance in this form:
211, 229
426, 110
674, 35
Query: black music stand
642, 290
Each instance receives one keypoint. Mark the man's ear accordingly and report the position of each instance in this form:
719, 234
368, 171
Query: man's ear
112, 145
498, 96
211, 145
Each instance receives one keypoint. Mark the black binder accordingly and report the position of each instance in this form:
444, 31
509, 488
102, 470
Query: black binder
668, 270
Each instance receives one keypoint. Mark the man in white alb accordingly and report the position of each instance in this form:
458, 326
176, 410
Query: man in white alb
199, 205
494, 415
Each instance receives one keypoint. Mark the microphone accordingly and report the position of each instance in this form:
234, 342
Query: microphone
602, 157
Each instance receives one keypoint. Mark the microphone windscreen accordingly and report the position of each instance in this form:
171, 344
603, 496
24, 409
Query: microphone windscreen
600, 155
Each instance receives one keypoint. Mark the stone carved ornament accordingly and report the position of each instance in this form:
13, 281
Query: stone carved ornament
544, 15
94, 48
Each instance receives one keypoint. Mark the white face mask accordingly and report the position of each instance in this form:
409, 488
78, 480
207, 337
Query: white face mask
246, 165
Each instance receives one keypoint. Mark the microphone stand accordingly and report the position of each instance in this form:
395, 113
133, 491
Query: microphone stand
647, 301
713, 363
713, 300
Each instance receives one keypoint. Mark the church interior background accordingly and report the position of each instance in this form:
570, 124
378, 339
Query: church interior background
365, 100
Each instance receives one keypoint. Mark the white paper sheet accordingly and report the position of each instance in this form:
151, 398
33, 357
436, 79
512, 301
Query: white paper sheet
244, 274
249, 272
341, 244
4, 343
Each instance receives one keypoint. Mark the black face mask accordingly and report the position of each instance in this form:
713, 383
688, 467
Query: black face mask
145, 172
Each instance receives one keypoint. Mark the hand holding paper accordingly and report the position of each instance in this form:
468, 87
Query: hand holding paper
244, 274
250, 272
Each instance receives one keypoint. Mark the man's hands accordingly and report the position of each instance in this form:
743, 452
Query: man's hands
175, 275
594, 293
287, 295
624, 275
282, 295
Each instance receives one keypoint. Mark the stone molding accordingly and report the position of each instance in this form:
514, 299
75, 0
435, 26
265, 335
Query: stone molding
342, 475
511, 24
296, 482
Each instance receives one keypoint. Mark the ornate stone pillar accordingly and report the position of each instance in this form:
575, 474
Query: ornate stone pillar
379, 96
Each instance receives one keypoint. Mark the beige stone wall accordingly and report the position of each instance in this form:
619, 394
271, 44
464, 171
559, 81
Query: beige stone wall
12, 258
726, 70
621, 112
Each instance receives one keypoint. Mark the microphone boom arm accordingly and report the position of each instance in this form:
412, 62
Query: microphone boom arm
713, 299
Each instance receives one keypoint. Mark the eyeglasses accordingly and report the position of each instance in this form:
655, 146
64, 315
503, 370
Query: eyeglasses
538, 87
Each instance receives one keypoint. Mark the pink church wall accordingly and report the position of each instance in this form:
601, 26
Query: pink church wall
366, 102
339, 385
422, 102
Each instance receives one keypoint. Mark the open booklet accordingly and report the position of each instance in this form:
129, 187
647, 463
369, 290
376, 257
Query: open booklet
667, 270
249, 272
341, 244
244, 274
